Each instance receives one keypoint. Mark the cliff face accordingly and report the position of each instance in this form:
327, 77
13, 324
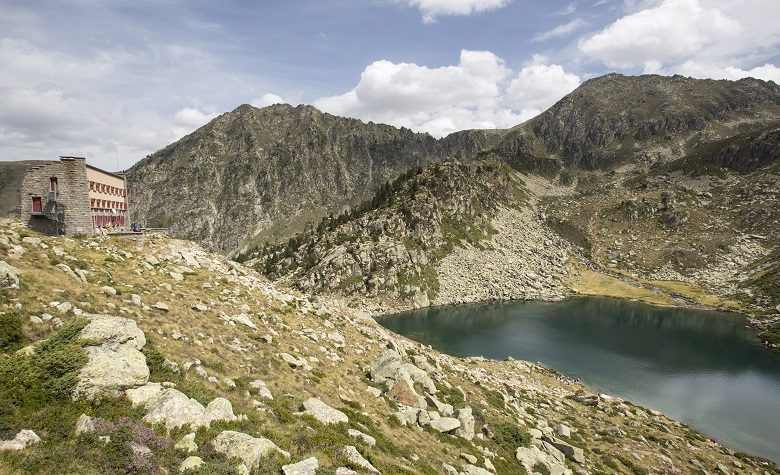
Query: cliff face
263, 173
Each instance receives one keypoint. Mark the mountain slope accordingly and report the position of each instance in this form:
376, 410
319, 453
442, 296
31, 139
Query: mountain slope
616, 119
391, 245
255, 175
205, 362
264, 173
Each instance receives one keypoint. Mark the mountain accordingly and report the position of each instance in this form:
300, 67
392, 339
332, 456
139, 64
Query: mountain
391, 245
616, 119
255, 175
663, 189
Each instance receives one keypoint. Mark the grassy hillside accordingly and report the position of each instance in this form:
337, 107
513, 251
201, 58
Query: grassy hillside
214, 328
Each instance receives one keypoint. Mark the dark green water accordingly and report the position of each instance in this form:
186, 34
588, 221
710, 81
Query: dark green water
704, 368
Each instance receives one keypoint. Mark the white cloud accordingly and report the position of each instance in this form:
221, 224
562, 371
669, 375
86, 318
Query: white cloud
192, 117
674, 30
268, 99
435, 8
54, 102
561, 31
475, 93
767, 72
188, 119
540, 85
723, 37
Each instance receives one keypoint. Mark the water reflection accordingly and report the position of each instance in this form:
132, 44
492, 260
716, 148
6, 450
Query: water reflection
701, 367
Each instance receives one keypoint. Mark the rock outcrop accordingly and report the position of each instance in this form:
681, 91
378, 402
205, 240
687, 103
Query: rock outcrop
9, 276
242, 446
323, 413
115, 361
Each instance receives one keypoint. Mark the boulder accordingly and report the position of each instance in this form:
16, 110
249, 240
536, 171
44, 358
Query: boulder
403, 392
187, 443
191, 463
174, 409
563, 430
529, 457
355, 458
385, 366
112, 330
571, 452
245, 447
469, 469
304, 467
244, 319
33, 241
443, 408
364, 438
108, 372
261, 389
220, 409
9, 276
114, 361
322, 412
466, 418
84, 425
141, 395
410, 414
445, 424
162, 306
416, 375
23, 438
293, 361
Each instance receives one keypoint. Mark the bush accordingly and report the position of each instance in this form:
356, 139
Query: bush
10, 331
509, 435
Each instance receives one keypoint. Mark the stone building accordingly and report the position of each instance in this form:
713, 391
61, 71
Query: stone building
72, 198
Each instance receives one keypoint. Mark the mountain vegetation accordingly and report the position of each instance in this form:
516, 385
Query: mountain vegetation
155, 356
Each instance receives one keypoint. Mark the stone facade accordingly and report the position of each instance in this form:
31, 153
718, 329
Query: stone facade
72, 198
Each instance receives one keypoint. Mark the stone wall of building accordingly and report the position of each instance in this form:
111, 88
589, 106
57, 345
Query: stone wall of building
72, 204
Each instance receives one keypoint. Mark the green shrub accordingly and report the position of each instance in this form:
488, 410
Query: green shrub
509, 435
10, 331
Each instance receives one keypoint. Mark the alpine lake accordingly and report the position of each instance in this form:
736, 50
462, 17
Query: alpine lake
704, 368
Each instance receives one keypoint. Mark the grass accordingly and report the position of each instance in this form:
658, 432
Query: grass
588, 282
396, 446
695, 293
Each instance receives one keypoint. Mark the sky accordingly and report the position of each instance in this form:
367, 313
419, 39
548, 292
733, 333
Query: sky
117, 80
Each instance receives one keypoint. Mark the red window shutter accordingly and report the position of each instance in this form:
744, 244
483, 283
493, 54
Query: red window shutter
53, 183
36, 205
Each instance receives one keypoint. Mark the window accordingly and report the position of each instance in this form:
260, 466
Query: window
53, 183
36, 205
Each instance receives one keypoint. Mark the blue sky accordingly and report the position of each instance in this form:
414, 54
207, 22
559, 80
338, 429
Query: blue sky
121, 79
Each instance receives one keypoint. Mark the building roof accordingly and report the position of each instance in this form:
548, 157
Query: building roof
121, 177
